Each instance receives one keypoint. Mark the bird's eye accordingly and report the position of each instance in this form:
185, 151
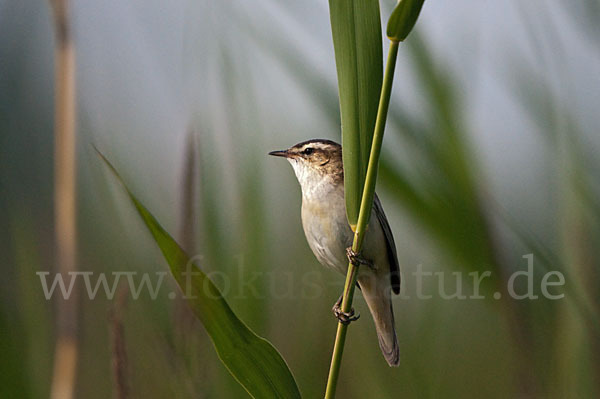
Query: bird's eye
308, 151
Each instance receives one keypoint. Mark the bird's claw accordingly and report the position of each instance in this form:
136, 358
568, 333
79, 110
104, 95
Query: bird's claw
344, 317
356, 258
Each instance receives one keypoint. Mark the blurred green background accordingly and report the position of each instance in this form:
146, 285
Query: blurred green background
490, 154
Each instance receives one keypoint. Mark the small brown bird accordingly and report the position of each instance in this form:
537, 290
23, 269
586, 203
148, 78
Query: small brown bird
318, 167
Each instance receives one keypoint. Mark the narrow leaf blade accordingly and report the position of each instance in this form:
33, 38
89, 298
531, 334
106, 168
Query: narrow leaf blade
250, 359
356, 31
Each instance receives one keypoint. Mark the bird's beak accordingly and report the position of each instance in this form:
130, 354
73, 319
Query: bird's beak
284, 153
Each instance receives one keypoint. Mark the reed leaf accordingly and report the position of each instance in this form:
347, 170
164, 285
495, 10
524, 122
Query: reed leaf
252, 360
356, 31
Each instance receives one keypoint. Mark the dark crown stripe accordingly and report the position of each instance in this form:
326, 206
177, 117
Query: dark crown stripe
317, 141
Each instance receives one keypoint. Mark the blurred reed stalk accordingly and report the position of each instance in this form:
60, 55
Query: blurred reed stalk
363, 217
117, 337
65, 356
187, 232
190, 342
184, 317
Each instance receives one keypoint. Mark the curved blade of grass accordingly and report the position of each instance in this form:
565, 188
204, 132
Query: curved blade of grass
250, 359
356, 31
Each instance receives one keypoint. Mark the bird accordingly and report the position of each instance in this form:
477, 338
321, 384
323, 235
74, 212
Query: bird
318, 166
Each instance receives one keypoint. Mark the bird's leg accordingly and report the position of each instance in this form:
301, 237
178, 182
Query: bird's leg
344, 317
356, 258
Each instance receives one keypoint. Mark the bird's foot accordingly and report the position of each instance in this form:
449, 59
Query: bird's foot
344, 317
356, 258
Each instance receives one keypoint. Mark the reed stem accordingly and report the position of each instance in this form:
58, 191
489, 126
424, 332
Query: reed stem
65, 356
363, 217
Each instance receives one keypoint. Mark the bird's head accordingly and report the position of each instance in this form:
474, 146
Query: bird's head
315, 161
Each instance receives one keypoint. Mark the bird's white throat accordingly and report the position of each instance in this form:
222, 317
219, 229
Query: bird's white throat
314, 185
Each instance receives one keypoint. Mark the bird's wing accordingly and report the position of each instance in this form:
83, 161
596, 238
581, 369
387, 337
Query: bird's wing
390, 244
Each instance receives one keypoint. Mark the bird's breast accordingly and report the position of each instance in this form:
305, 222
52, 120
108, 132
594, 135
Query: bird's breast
327, 230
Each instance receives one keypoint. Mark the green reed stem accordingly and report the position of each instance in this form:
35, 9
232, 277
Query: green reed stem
363, 217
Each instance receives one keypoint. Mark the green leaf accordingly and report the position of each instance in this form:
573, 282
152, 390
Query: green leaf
356, 31
403, 19
250, 359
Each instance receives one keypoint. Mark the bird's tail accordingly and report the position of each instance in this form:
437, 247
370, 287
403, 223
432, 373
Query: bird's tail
377, 293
